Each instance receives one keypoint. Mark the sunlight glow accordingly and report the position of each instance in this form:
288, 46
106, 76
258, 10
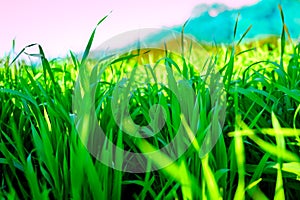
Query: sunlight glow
60, 26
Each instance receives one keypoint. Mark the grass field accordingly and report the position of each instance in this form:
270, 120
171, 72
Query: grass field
256, 156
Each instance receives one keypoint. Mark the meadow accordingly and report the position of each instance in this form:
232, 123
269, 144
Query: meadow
256, 156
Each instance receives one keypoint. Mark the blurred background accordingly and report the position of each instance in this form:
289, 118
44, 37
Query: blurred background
60, 26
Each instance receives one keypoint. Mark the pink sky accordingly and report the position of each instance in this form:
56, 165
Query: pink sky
62, 25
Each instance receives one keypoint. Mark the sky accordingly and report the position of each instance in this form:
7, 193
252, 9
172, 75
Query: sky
63, 25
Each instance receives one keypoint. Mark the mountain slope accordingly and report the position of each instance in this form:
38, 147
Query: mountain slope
216, 22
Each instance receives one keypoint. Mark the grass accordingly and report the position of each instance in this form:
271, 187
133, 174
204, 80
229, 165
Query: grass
42, 155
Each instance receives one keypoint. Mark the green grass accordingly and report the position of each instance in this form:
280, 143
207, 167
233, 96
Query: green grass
256, 156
